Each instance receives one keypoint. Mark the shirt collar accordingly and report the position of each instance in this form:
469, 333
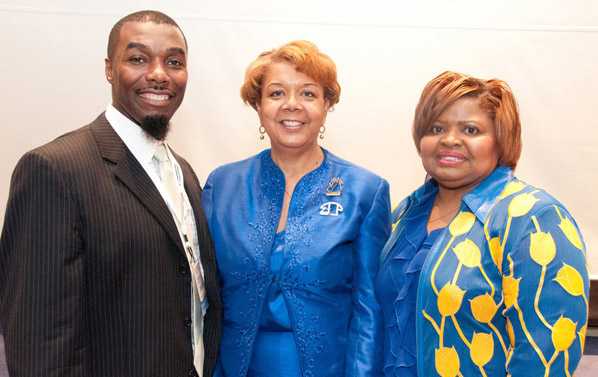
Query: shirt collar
480, 200
141, 145
483, 197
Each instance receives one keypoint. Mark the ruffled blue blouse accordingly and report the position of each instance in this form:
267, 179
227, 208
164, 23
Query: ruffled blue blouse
397, 284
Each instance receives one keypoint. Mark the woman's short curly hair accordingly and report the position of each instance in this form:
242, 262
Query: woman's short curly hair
305, 57
496, 98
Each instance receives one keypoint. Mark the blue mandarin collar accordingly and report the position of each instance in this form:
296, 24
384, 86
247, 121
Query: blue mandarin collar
269, 166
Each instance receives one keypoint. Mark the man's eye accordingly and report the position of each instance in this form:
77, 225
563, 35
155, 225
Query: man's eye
136, 60
175, 63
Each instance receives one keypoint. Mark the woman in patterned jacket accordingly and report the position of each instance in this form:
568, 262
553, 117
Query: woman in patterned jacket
484, 274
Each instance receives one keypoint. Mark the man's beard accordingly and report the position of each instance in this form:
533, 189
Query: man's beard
156, 125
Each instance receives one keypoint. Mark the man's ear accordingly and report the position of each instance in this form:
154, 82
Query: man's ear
108, 69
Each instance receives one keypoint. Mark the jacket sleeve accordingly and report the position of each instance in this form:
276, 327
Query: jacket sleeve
364, 350
545, 289
41, 275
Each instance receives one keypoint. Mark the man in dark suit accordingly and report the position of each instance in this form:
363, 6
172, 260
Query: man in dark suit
106, 265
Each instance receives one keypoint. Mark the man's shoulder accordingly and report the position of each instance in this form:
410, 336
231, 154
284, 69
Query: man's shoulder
65, 144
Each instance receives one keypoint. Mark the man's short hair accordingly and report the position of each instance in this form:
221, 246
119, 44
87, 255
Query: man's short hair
140, 16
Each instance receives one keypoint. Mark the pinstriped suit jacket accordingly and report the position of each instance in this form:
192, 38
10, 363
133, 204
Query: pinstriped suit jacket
93, 276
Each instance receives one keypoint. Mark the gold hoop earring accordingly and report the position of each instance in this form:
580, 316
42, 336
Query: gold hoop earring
262, 132
322, 130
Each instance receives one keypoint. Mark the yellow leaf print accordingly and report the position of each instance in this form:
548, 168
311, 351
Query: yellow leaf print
511, 332
483, 308
570, 280
542, 248
510, 289
449, 299
521, 204
511, 188
571, 233
482, 348
563, 333
462, 223
468, 253
582, 336
446, 361
496, 252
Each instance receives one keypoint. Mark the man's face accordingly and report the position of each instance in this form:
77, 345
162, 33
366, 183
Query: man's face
148, 71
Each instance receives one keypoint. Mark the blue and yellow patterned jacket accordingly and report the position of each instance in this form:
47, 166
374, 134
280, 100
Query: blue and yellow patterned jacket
333, 244
504, 289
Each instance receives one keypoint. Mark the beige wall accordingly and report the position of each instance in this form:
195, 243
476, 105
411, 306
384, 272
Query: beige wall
53, 79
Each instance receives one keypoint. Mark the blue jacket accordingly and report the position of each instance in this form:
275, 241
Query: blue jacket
503, 290
333, 248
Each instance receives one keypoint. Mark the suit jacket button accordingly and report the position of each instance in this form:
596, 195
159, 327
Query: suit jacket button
192, 373
183, 270
188, 322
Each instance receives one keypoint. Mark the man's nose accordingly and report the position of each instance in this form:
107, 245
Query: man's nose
157, 73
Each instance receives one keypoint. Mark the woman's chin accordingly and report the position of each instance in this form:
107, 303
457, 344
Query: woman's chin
458, 182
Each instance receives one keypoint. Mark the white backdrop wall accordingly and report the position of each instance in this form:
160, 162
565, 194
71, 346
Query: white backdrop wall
53, 75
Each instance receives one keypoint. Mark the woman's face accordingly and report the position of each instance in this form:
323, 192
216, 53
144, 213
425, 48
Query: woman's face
460, 150
292, 108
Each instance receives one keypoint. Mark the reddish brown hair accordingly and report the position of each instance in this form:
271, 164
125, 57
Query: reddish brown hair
496, 98
305, 57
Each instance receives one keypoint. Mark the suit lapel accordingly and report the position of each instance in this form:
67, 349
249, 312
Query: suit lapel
130, 172
194, 195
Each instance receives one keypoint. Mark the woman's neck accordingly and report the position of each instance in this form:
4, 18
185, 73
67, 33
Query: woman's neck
446, 205
295, 165
447, 198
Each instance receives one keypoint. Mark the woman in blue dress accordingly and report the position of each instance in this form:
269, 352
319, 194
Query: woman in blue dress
484, 274
298, 233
